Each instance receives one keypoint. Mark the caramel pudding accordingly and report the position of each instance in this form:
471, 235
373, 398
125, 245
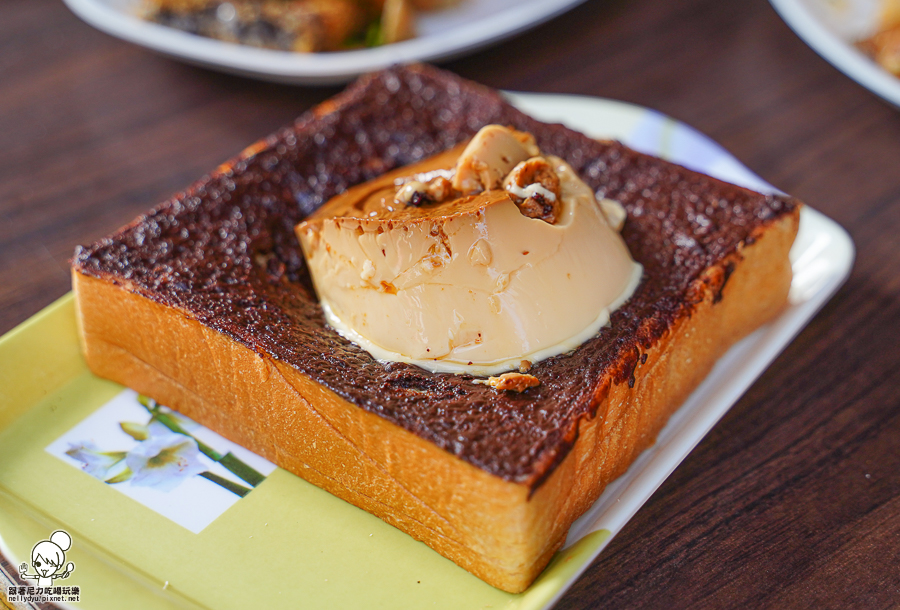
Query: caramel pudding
482, 259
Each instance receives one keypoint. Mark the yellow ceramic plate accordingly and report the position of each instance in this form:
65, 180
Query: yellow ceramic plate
288, 544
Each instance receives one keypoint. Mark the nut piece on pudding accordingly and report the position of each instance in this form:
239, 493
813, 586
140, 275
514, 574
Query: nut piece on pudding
471, 261
513, 382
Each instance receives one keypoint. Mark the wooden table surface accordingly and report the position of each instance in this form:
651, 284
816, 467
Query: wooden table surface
793, 500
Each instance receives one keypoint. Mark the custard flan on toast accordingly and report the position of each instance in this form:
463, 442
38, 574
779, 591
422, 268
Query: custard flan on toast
205, 304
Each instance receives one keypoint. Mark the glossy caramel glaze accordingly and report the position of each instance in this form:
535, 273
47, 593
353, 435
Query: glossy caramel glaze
376, 199
224, 252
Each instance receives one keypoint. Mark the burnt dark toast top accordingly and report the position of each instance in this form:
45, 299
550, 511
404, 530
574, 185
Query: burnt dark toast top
224, 252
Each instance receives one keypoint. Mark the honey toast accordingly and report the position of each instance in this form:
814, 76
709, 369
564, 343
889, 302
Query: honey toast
205, 304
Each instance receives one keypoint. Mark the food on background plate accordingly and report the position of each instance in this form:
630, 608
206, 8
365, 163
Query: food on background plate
305, 26
884, 45
206, 304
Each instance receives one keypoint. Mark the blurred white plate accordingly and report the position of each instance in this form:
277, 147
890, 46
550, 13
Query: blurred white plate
471, 25
831, 27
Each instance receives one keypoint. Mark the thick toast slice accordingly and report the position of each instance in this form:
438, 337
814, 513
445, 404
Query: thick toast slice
205, 304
